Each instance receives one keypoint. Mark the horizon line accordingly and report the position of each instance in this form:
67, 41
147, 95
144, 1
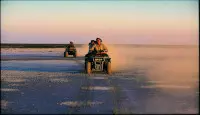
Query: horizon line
87, 43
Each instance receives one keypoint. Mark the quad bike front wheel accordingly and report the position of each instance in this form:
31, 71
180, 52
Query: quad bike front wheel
88, 67
109, 68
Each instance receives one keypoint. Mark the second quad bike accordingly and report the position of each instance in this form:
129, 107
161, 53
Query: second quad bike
98, 62
70, 51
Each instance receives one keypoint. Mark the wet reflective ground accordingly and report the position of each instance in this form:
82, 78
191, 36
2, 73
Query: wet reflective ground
53, 84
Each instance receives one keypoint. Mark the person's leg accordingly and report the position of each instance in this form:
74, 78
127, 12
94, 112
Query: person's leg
90, 54
105, 55
87, 55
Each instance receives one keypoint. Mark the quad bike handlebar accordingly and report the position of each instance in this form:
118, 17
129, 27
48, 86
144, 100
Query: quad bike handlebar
101, 52
71, 49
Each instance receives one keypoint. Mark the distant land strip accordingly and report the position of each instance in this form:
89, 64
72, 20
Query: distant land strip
9, 45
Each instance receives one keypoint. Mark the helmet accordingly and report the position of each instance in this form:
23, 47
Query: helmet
92, 41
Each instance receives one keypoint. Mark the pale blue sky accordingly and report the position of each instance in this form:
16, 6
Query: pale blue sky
134, 22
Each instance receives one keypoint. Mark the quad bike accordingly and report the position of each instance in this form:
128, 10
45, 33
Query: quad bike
99, 61
70, 51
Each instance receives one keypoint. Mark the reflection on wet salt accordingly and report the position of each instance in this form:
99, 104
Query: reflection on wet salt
167, 86
188, 111
97, 88
13, 80
59, 80
128, 90
16, 85
4, 104
177, 81
8, 89
80, 103
128, 78
98, 77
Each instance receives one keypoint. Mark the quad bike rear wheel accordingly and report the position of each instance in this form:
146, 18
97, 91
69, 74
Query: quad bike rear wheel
88, 67
109, 68
65, 54
75, 55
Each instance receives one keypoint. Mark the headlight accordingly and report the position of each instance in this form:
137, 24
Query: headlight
98, 59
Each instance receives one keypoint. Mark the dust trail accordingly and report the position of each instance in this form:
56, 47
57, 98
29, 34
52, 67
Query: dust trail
170, 65
83, 50
179, 68
122, 58
175, 72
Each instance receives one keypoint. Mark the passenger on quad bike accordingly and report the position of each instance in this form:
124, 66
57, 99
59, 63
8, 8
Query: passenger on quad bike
70, 50
91, 44
98, 58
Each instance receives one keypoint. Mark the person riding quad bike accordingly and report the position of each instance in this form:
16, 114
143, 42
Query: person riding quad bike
70, 50
97, 59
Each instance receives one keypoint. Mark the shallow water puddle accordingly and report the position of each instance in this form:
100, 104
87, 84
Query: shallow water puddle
9, 89
97, 88
80, 103
59, 80
13, 80
5, 104
16, 84
98, 77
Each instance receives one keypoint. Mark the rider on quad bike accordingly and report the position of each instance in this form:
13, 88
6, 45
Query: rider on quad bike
97, 58
70, 50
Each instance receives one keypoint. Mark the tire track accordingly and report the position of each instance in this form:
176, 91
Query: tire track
81, 97
101, 98
115, 92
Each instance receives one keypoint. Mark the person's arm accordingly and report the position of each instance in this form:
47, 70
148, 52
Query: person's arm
105, 48
92, 48
67, 47
71, 47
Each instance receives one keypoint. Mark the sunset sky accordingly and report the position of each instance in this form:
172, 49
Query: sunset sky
125, 22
